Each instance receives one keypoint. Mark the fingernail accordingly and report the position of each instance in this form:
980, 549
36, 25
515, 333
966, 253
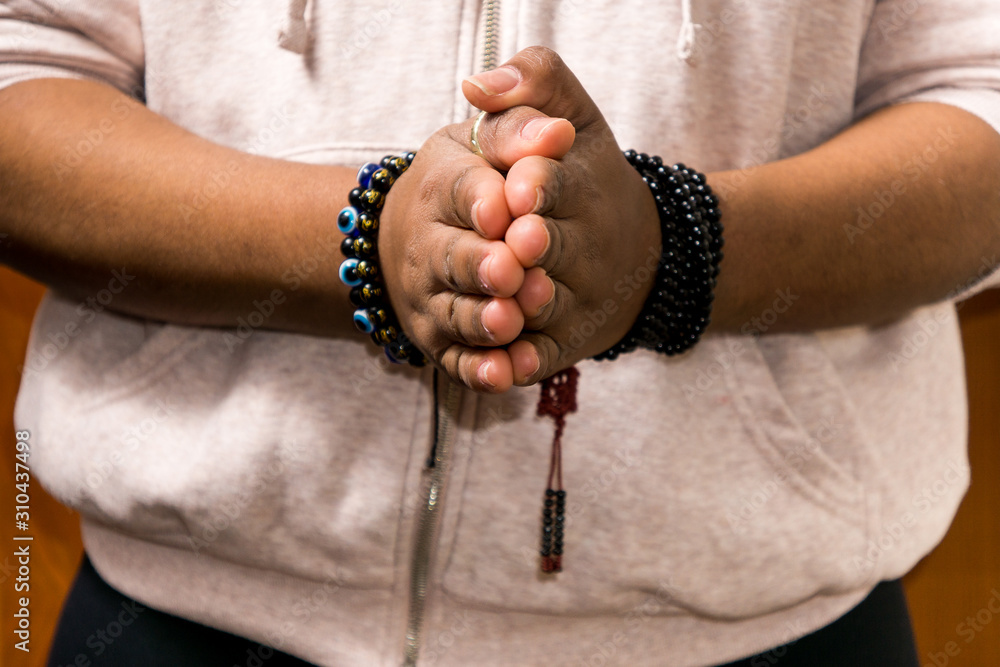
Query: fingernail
548, 239
495, 81
541, 307
484, 275
539, 199
483, 373
482, 318
475, 216
536, 364
551, 298
534, 128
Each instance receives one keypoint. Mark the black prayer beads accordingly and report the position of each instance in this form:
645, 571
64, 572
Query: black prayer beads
553, 522
360, 271
678, 308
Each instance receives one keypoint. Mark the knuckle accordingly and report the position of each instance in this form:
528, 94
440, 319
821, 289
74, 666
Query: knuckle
543, 56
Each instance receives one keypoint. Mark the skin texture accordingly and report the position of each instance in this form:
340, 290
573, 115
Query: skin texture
463, 310
489, 275
205, 230
785, 221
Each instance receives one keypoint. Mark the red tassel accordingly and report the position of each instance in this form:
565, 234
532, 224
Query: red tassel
558, 399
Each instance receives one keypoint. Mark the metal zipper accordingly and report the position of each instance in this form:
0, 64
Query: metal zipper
437, 468
420, 566
491, 34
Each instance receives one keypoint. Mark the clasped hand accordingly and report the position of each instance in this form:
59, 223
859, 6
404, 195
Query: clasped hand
495, 276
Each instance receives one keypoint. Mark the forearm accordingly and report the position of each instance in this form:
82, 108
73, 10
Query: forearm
899, 211
205, 230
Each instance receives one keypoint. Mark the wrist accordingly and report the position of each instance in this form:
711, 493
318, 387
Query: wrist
361, 272
677, 308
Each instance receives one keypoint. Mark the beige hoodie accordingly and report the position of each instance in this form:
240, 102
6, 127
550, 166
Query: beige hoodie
720, 503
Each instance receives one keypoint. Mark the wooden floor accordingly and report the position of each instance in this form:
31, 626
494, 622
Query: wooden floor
954, 593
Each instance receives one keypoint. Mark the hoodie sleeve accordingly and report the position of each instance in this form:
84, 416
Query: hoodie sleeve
80, 39
945, 51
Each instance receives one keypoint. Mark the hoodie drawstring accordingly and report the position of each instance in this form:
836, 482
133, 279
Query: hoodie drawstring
688, 37
295, 34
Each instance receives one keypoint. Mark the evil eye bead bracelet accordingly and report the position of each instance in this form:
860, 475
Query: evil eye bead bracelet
359, 221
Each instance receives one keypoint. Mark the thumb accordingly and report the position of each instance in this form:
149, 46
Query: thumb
536, 77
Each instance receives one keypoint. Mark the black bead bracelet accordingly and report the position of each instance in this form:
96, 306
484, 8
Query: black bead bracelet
360, 271
678, 308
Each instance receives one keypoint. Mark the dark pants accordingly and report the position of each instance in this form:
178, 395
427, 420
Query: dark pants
100, 627
876, 633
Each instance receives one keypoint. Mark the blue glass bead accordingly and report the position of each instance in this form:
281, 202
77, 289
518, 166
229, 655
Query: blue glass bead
347, 221
363, 321
349, 272
365, 174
